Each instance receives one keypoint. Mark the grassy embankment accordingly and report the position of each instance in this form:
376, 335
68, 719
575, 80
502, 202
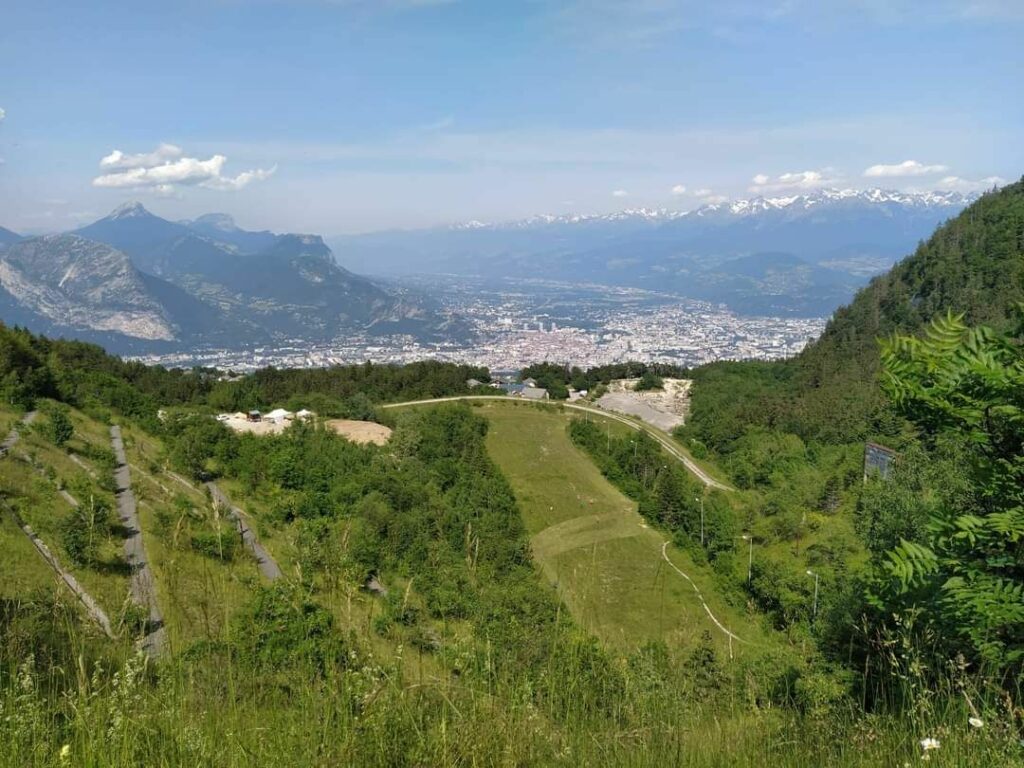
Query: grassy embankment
590, 541
220, 710
202, 572
33, 489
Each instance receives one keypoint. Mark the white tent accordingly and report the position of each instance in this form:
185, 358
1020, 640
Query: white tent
278, 415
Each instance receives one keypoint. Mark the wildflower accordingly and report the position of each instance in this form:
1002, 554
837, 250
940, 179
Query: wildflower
976, 722
65, 753
929, 744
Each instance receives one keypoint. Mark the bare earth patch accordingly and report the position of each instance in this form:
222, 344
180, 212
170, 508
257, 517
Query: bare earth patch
664, 409
256, 427
361, 431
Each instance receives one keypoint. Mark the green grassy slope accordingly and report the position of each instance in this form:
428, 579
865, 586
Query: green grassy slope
592, 544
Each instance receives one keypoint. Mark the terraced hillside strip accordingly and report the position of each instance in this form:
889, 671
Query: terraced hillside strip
203, 573
92, 608
15, 434
47, 489
268, 567
593, 546
143, 589
23, 571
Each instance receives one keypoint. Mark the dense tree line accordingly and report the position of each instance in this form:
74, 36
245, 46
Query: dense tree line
940, 570
667, 494
973, 264
83, 375
557, 377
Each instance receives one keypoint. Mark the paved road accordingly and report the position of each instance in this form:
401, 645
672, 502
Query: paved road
143, 587
663, 440
268, 567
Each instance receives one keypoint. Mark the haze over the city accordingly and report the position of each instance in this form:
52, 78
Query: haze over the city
353, 116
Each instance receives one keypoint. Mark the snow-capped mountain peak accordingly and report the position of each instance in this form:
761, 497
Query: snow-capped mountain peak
746, 207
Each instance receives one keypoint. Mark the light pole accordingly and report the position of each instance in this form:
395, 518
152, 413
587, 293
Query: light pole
814, 611
701, 500
750, 556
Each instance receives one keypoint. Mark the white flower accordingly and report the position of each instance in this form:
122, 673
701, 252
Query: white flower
929, 744
976, 722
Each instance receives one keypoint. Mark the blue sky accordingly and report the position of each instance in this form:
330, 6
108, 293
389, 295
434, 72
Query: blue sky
354, 115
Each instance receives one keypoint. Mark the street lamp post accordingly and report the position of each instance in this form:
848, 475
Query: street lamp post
814, 610
701, 500
750, 556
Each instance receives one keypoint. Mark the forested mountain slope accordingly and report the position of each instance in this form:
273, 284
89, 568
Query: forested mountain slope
973, 264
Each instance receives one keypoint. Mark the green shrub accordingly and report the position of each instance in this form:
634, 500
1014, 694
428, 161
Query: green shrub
220, 545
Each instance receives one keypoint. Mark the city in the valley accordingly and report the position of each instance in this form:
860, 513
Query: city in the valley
512, 324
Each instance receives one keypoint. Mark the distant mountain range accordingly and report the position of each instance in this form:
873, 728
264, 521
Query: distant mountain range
802, 254
134, 281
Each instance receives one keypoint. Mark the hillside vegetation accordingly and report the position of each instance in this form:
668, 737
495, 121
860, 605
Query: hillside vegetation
486, 588
792, 435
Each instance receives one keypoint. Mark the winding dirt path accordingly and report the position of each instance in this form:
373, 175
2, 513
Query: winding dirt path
714, 619
143, 588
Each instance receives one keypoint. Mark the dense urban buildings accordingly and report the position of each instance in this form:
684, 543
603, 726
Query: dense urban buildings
515, 324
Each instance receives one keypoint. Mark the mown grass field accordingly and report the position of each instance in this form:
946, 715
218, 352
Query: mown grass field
593, 546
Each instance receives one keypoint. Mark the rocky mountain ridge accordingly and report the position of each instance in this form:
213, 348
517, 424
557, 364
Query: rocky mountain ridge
134, 280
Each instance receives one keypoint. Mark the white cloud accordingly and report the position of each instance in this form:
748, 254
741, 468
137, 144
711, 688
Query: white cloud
906, 168
241, 180
620, 193
679, 189
957, 184
166, 168
162, 154
791, 182
3, 114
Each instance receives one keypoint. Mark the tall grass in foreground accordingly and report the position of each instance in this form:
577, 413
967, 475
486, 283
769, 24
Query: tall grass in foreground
68, 701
